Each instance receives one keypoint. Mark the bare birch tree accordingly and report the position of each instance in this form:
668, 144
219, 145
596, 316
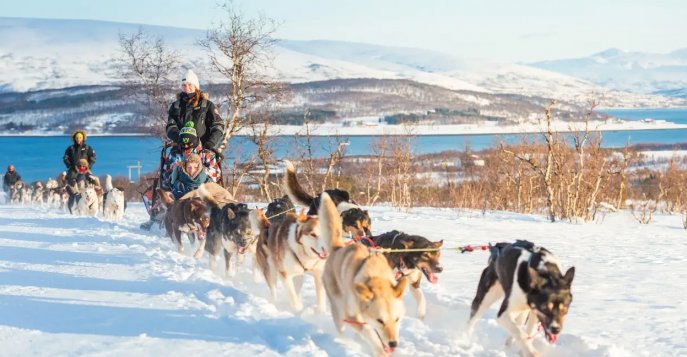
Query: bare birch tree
148, 63
239, 48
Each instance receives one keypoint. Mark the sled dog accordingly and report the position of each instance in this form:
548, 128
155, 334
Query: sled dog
360, 285
412, 264
355, 220
535, 290
83, 200
190, 216
290, 249
230, 232
113, 201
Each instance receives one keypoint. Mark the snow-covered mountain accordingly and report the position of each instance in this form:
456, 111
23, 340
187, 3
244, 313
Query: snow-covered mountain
43, 54
664, 74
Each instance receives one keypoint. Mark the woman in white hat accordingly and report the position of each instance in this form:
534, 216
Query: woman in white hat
192, 105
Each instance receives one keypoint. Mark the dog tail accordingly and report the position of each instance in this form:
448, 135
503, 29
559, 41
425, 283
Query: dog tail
296, 193
330, 222
260, 224
108, 183
165, 197
206, 196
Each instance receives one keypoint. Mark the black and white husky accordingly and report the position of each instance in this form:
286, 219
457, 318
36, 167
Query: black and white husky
355, 220
535, 290
113, 201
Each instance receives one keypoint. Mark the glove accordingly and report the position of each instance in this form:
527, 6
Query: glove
209, 144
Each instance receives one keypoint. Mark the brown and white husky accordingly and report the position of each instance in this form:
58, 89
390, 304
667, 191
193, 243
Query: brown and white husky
287, 251
360, 285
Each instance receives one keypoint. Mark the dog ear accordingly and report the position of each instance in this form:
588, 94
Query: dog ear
534, 278
364, 293
569, 275
438, 244
302, 217
230, 214
400, 287
407, 244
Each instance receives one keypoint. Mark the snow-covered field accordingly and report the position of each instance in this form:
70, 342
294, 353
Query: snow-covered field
483, 128
73, 286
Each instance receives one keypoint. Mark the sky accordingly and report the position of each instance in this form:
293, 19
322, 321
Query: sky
511, 30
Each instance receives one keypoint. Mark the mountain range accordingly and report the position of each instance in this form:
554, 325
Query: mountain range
39, 54
662, 74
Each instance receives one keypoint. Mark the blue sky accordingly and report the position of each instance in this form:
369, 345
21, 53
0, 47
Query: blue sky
511, 30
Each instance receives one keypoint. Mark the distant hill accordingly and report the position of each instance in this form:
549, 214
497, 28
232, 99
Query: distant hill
651, 73
49, 54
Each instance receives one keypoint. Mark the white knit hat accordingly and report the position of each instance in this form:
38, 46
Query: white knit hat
190, 77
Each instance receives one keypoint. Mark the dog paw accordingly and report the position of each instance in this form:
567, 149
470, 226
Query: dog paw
510, 341
198, 255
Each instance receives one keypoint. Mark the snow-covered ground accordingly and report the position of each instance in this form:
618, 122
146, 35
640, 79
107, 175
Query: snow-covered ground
74, 286
370, 127
484, 128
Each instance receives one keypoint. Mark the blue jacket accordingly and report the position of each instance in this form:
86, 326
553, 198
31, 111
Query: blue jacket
182, 183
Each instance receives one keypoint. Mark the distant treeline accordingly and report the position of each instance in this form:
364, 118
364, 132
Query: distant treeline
437, 113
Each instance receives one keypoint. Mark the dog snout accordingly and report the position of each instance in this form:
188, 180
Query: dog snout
555, 328
438, 268
393, 344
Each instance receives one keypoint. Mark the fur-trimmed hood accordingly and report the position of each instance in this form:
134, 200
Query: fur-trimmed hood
77, 131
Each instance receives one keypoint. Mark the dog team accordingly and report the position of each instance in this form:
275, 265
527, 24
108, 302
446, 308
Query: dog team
76, 190
334, 243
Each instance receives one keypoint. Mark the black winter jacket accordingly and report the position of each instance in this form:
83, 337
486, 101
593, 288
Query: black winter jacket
10, 179
74, 153
205, 117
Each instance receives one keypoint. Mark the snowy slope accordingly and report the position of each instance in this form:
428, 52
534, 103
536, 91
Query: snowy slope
41, 54
628, 71
82, 286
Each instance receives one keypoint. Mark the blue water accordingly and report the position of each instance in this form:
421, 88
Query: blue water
41, 157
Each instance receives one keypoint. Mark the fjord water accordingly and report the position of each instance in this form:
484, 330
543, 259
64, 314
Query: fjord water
38, 158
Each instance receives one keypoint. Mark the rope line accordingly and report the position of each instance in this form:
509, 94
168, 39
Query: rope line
463, 249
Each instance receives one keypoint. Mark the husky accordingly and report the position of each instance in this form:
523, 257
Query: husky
16, 192
114, 203
355, 220
535, 290
287, 251
83, 200
412, 264
230, 232
190, 216
360, 285
51, 183
277, 209
38, 193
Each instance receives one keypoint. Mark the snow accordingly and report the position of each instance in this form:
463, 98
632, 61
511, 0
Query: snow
38, 54
84, 286
626, 71
482, 128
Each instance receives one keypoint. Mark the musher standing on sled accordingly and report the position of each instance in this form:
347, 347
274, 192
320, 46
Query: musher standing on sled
195, 126
78, 151
192, 105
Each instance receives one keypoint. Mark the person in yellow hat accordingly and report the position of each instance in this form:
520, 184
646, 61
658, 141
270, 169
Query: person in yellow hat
79, 150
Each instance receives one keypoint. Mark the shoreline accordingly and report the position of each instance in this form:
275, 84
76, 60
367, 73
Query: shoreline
486, 128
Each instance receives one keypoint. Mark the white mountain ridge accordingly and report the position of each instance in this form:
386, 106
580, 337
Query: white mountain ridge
628, 71
47, 54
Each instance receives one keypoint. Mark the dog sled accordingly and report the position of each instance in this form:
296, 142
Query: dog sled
150, 196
